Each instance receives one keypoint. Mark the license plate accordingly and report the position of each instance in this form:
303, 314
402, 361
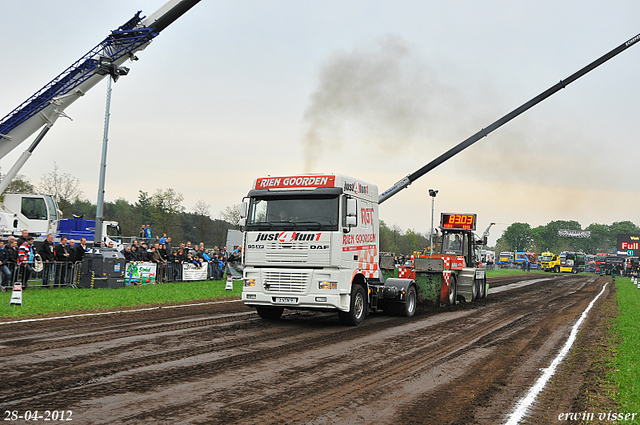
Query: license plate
284, 300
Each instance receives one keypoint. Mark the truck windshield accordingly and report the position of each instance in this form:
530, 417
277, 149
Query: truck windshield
287, 213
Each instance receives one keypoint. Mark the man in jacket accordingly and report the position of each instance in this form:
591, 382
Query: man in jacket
26, 252
47, 260
61, 252
6, 273
81, 249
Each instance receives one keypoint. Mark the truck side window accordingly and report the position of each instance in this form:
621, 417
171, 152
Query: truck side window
34, 208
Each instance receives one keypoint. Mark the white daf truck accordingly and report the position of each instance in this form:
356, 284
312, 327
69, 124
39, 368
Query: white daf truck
311, 242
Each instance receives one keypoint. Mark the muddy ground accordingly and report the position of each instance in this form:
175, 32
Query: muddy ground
220, 363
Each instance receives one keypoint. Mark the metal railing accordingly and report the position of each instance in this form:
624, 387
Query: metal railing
53, 274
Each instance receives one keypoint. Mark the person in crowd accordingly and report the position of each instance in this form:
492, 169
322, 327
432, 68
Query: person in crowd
23, 237
61, 252
143, 232
26, 252
197, 253
209, 261
168, 244
72, 251
143, 252
12, 256
135, 254
177, 263
147, 232
4, 268
126, 252
81, 249
163, 239
224, 256
48, 259
159, 261
163, 251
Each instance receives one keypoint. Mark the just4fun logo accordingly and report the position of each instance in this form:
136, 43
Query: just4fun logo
290, 236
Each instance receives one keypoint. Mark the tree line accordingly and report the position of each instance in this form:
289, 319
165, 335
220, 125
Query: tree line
162, 210
603, 238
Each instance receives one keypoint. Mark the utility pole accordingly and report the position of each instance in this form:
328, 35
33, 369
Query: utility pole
433, 194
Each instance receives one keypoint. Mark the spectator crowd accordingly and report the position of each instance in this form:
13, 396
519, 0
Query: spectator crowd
58, 262
170, 259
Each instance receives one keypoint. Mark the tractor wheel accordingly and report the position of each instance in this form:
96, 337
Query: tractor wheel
453, 290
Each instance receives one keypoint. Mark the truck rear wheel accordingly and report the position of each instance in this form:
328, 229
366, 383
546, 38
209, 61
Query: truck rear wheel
556, 269
270, 313
453, 290
357, 308
483, 289
407, 309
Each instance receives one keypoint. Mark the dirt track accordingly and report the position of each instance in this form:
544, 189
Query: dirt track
220, 363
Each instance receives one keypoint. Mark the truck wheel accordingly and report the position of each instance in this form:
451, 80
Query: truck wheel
474, 290
574, 270
270, 313
357, 308
453, 290
483, 288
409, 308
556, 269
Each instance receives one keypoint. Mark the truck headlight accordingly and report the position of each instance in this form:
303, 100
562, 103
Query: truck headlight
250, 283
325, 284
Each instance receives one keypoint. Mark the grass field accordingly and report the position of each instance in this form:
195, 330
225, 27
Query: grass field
626, 363
43, 302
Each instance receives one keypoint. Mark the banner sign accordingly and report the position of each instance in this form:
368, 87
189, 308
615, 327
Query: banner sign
628, 245
140, 273
192, 272
574, 233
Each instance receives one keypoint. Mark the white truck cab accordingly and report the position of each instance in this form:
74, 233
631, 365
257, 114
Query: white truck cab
307, 240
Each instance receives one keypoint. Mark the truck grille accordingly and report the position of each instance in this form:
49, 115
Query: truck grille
293, 283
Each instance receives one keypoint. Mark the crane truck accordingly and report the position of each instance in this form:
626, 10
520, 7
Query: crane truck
39, 213
312, 241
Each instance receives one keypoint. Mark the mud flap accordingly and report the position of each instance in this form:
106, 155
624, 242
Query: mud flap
445, 287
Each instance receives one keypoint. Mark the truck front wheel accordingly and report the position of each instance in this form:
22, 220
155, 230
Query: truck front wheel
357, 308
270, 313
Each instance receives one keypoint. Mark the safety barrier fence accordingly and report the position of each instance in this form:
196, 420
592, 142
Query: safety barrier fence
51, 275
66, 274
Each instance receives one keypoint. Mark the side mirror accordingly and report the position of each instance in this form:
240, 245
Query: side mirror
244, 210
352, 208
351, 220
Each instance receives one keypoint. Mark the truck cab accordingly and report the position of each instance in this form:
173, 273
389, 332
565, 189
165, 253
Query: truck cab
308, 240
37, 213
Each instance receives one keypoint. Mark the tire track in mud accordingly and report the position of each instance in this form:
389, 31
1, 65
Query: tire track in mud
378, 355
358, 384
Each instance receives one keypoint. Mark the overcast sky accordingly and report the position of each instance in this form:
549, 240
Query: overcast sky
234, 90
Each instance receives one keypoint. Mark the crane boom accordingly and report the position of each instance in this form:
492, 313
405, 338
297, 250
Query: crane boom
406, 181
48, 104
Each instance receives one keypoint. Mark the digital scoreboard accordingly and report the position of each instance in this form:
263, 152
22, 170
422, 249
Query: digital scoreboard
458, 221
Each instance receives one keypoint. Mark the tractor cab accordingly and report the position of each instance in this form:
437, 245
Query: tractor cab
459, 242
